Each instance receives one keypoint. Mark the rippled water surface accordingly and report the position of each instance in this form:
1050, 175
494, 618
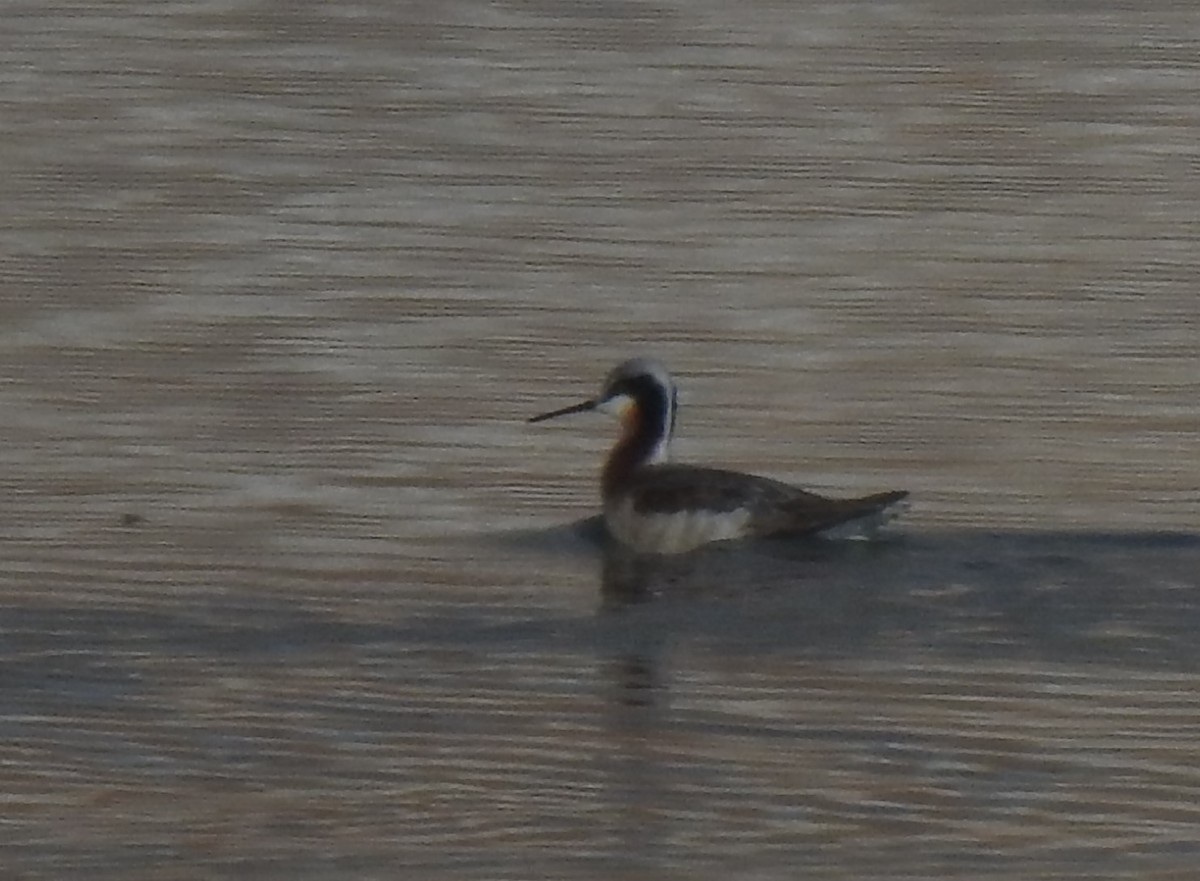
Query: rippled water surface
290, 590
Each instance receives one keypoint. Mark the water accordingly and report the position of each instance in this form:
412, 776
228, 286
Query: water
290, 589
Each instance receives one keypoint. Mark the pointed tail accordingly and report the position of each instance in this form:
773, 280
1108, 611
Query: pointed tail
843, 518
863, 518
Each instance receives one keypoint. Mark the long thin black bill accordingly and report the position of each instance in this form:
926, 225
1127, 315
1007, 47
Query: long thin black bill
565, 411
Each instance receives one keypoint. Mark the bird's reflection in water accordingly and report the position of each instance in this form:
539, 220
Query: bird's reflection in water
726, 599
638, 716
754, 596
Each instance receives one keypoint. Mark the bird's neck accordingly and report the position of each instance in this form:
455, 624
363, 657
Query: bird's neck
646, 440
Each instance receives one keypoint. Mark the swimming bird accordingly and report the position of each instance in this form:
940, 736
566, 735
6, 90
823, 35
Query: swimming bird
656, 507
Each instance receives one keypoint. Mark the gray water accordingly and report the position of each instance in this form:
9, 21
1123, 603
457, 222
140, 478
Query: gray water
290, 590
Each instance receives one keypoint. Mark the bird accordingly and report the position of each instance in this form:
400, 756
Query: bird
654, 506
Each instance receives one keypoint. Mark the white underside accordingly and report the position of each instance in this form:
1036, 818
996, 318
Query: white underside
683, 531
673, 533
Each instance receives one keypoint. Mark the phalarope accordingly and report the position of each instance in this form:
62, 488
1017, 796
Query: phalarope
655, 507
